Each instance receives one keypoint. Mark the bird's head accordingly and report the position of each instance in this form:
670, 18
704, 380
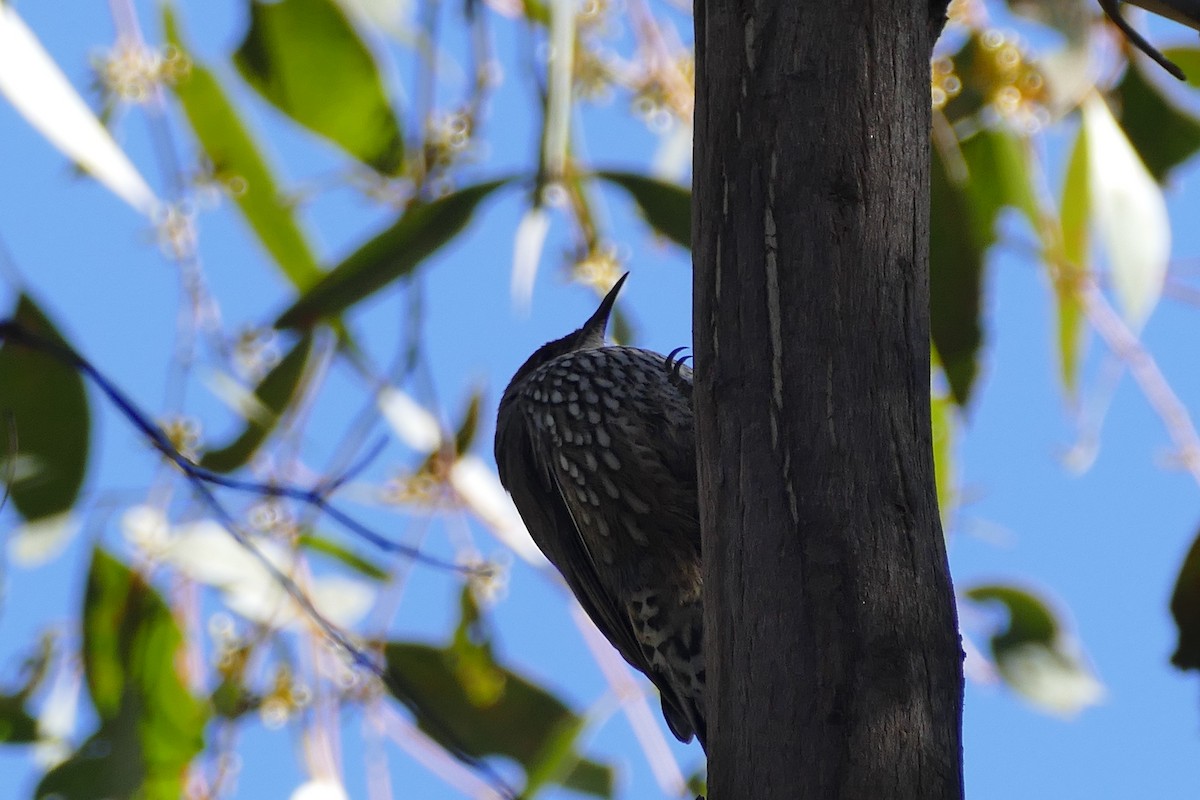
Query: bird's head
588, 336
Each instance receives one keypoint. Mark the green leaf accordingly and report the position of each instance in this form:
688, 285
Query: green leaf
44, 412
1033, 656
421, 231
1163, 135
17, 726
990, 173
666, 206
467, 700
275, 393
942, 413
955, 275
1074, 265
151, 726
239, 164
1185, 608
328, 547
464, 437
306, 59
1188, 60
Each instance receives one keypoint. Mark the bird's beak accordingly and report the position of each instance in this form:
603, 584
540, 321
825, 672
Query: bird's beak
597, 324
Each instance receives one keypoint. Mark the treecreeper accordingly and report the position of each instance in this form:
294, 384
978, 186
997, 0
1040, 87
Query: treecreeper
596, 444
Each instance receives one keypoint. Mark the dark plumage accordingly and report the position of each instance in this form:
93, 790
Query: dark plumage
596, 445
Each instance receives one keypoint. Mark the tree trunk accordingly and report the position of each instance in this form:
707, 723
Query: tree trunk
834, 661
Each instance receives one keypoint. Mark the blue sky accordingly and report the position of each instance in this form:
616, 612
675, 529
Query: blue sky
1104, 546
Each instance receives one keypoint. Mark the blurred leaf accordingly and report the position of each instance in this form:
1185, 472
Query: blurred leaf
40, 93
955, 275
45, 400
467, 700
998, 177
306, 59
464, 437
17, 726
150, 725
1033, 656
1188, 60
666, 206
420, 231
328, 547
239, 164
942, 409
1129, 213
275, 392
1163, 135
993, 174
1075, 264
1185, 608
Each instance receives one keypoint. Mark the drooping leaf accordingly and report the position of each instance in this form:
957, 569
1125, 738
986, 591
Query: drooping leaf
992, 174
306, 59
464, 437
468, 700
44, 411
151, 726
339, 552
1185, 608
955, 276
275, 392
420, 231
1163, 135
666, 206
1033, 655
1075, 265
239, 164
40, 92
1070, 17
1129, 213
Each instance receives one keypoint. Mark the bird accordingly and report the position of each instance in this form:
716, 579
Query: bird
596, 445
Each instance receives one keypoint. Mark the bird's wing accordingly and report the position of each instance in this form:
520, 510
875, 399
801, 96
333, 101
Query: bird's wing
527, 472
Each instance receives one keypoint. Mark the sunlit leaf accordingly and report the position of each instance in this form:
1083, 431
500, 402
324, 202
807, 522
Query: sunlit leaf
275, 392
305, 57
44, 411
1035, 658
1163, 135
150, 724
420, 231
414, 424
528, 242
1129, 213
339, 552
239, 164
468, 701
1185, 608
480, 489
40, 92
998, 175
1076, 264
666, 206
942, 410
1069, 17
464, 437
560, 70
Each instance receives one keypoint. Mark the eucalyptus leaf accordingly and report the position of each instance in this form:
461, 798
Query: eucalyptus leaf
666, 206
239, 163
421, 231
306, 59
1164, 135
275, 392
44, 419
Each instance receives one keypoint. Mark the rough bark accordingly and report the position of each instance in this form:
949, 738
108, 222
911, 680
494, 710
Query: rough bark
834, 662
